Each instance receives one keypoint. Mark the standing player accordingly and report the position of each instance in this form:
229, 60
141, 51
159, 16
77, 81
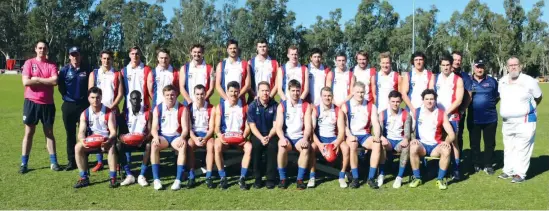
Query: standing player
429, 122
415, 82
201, 133
329, 128
466, 100
39, 78
293, 127
169, 128
161, 76
387, 81
232, 69
365, 74
341, 80
361, 115
449, 88
292, 70
396, 125
230, 120
96, 120
194, 73
318, 75
263, 68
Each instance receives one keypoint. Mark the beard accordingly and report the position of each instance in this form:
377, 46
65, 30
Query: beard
514, 74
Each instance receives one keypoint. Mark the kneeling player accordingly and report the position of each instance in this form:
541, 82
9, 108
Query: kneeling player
232, 130
96, 120
396, 124
329, 128
293, 127
429, 122
169, 128
361, 115
137, 123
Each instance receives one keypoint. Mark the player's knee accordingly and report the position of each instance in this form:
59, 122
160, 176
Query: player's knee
247, 147
445, 152
218, 147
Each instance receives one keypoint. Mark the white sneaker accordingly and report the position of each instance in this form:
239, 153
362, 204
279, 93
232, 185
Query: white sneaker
342, 183
398, 182
130, 179
311, 183
380, 180
176, 184
142, 181
157, 185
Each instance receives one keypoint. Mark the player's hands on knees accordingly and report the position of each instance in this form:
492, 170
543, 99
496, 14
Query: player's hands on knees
155, 141
181, 143
446, 145
384, 141
304, 144
376, 139
321, 147
352, 139
283, 142
404, 143
414, 142
198, 141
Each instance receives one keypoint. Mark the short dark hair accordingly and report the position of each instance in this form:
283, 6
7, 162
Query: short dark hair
293, 47
162, 50
446, 57
416, 54
135, 47
233, 84
95, 90
199, 87
294, 84
429, 92
42, 41
341, 54
197, 46
326, 89
362, 53
135, 92
265, 83
394, 94
261, 40
315, 51
457, 53
109, 52
169, 88
232, 42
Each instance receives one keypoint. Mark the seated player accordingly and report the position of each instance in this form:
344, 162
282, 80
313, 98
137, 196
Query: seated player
232, 130
169, 128
137, 121
293, 127
361, 115
396, 124
329, 128
96, 120
201, 133
429, 122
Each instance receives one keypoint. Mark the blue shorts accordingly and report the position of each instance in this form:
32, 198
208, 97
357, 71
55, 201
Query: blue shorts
394, 143
362, 138
428, 148
455, 125
200, 134
170, 139
293, 141
327, 140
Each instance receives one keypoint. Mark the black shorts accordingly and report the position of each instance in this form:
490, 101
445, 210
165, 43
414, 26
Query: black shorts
34, 112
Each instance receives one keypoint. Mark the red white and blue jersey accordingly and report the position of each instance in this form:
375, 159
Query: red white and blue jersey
393, 124
200, 117
446, 88
263, 71
518, 103
385, 84
317, 81
365, 76
341, 85
326, 120
416, 85
233, 117
294, 118
359, 116
137, 123
108, 82
161, 78
292, 73
136, 79
197, 75
429, 125
169, 119
233, 71
97, 123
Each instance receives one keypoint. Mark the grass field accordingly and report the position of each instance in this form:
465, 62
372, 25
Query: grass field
42, 188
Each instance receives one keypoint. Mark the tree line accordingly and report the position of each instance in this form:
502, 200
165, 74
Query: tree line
118, 25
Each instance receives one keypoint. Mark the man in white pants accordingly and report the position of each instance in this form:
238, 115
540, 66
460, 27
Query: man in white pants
520, 96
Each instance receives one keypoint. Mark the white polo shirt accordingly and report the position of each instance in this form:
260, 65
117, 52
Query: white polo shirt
517, 99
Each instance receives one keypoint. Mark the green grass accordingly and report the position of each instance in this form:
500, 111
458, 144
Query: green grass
44, 189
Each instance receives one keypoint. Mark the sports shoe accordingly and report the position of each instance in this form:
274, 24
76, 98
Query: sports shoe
517, 179
441, 185
70, 166
372, 183
82, 182
141, 180
348, 177
311, 183
258, 184
98, 167
282, 184
504, 176
223, 183
456, 176
55, 167
23, 169
191, 183
242, 183
342, 183
355, 183
130, 179
489, 170
209, 183
380, 179
157, 185
270, 184
301, 185
113, 183
415, 182
398, 182
176, 184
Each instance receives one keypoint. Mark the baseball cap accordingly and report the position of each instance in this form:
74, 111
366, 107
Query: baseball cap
480, 62
74, 49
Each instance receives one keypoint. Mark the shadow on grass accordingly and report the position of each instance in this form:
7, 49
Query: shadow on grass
538, 165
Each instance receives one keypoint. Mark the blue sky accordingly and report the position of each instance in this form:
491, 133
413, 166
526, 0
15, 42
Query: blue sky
307, 10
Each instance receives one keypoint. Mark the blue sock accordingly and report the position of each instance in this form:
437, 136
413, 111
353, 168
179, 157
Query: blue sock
222, 173
382, 169
156, 170
143, 169
84, 174
300, 173
282, 173
456, 164
112, 174
416, 173
341, 175
372, 172
99, 157
243, 172
401, 171
208, 174
191, 173
53, 158
441, 174
312, 174
128, 157
24, 160
354, 172
127, 169
180, 170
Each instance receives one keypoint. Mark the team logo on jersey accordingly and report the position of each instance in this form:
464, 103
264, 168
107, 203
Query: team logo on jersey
438, 86
419, 121
287, 116
129, 78
157, 79
34, 68
485, 85
190, 75
163, 119
311, 76
82, 74
413, 83
129, 125
226, 72
90, 123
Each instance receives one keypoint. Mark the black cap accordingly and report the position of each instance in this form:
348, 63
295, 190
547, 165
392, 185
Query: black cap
74, 49
480, 62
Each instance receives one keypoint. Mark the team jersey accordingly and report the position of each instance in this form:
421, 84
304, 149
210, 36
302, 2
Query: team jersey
294, 119
326, 121
233, 117
365, 76
263, 71
416, 85
97, 123
169, 120
200, 117
429, 125
446, 88
162, 78
108, 82
393, 124
518, 99
137, 123
197, 75
233, 71
317, 81
385, 84
136, 79
292, 73
359, 116
341, 85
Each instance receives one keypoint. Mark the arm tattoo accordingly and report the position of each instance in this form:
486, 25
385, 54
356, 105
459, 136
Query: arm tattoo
408, 127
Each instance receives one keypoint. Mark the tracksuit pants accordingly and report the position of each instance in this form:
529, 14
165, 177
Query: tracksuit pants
518, 144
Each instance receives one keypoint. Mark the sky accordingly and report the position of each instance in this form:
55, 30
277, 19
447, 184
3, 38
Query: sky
307, 10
